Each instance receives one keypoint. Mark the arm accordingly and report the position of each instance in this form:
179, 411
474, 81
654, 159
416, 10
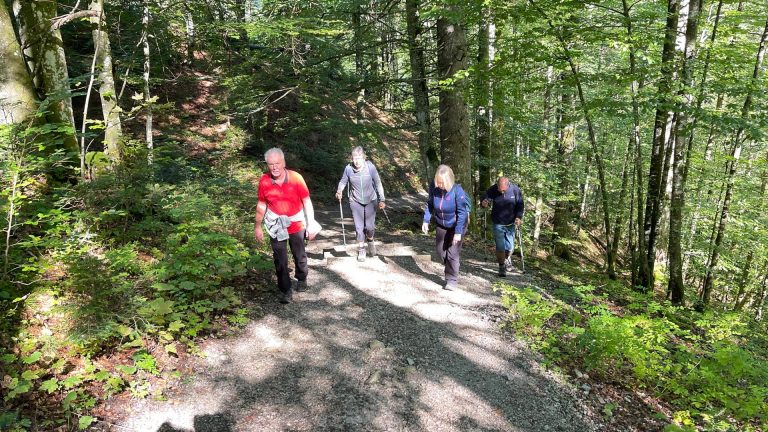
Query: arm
309, 211
427, 211
342, 183
377, 182
485, 200
261, 208
519, 206
462, 212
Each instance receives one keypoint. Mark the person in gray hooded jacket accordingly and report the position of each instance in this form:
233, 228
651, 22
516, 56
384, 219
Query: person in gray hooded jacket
365, 189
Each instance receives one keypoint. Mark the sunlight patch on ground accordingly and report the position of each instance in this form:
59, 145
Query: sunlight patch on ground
461, 409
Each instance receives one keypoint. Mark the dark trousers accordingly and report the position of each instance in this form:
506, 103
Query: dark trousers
280, 256
448, 252
364, 216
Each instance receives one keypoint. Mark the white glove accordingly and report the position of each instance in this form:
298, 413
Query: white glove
425, 227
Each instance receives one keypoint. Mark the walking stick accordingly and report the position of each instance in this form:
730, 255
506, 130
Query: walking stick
343, 231
522, 255
386, 215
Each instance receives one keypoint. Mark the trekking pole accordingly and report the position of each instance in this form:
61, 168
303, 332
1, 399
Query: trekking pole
386, 215
522, 255
343, 231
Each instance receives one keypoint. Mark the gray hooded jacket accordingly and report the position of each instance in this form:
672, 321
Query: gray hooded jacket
364, 184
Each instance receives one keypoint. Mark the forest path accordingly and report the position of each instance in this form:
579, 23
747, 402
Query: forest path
371, 346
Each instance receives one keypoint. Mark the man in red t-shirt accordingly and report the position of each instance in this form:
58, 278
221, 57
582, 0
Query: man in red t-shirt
283, 207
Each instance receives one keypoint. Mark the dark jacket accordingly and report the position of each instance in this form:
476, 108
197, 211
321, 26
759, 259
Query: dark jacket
364, 184
507, 206
450, 209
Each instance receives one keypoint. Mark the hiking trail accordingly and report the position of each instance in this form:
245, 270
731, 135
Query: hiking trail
371, 346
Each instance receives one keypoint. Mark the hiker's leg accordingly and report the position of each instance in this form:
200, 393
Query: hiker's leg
440, 233
299, 254
499, 238
280, 257
370, 220
452, 259
358, 215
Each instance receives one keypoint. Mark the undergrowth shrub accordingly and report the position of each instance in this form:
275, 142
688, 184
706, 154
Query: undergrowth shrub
701, 363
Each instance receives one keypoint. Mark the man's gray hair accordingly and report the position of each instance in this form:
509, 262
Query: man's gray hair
274, 151
358, 151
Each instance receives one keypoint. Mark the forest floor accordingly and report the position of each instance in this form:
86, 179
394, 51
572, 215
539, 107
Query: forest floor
377, 345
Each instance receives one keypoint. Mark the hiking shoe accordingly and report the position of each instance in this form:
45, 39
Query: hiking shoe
508, 263
371, 248
450, 286
502, 270
286, 297
301, 286
361, 254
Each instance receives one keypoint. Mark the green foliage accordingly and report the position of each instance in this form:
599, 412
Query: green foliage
701, 365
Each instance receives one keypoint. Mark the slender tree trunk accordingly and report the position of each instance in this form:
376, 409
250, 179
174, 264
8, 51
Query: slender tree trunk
113, 131
357, 25
742, 298
454, 119
191, 33
676, 286
420, 89
656, 171
759, 303
18, 100
482, 106
565, 146
539, 209
733, 164
147, 94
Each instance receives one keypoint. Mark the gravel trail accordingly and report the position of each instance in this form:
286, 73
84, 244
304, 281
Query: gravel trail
372, 346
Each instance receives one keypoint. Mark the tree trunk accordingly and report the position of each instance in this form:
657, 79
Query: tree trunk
190, 32
565, 146
676, 286
759, 303
733, 163
357, 26
113, 131
482, 106
147, 95
742, 298
544, 155
420, 89
18, 100
656, 171
49, 65
454, 119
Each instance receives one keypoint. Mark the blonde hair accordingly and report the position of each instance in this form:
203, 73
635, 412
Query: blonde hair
445, 173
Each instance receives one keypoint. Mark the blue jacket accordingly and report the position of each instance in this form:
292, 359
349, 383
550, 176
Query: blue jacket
507, 206
450, 209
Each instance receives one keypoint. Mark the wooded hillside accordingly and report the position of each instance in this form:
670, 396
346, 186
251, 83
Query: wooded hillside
132, 135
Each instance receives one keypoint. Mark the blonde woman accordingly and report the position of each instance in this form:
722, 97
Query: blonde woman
449, 205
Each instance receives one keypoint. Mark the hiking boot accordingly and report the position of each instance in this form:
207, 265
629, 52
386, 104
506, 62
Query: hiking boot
371, 248
508, 263
361, 254
502, 270
450, 286
301, 286
286, 297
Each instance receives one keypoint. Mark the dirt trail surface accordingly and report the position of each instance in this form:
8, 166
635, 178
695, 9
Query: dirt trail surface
371, 346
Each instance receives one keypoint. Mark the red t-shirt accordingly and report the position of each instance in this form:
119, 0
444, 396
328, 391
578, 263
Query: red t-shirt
284, 199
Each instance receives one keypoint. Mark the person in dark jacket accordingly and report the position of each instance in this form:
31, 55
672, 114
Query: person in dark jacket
449, 205
507, 215
365, 189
